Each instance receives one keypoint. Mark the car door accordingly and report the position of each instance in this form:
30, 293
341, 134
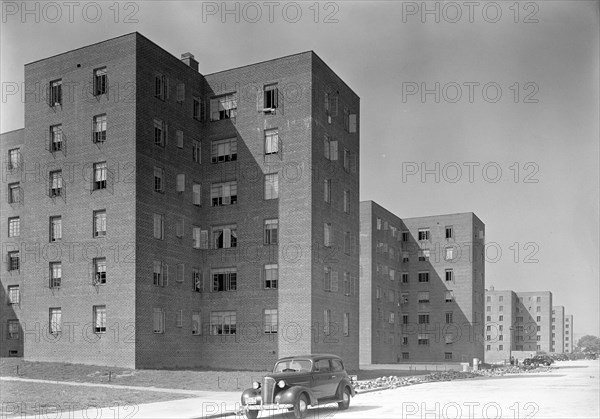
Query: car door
322, 378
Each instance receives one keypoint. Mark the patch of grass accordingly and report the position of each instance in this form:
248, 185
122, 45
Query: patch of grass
47, 400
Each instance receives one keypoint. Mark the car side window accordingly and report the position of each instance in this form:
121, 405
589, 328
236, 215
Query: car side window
322, 365
336, 365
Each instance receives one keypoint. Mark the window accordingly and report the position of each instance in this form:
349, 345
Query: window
14, 295
197, 194
271, 141
13, 330
423, 339
405, 355
159, 271
539, 328
160, 133
159, 226
196, 237
538, 309
180, 183
55, 320
423, 318
56, 138
347, 202
405, 339
14, 159
271, 276
159, 184
326, 322
179, 318
404, 298
224, 193
500, 318
14, 227
327, 190
501, 298
197, 110
449, 275
197, 151
99, 176
99, 129
348, 284
331, 149
55, 93
538, 299
449, 253
449, 317
223, 107
449, 296
160, 87
423, 234
179, 138
331, 104
346, 160
225, 237
197, 285
100, 271
424, 297
405, 277
158, 320
447, 355
347, 244
424, 255
100, 81
224, 279
405, 319
224, 150
100, 223
196, 323
423, 276
271, 231
55, 274
270, 99
328, 238
346, 325
223, 322
270, 321
56, 183
449, 232
405, 236
272, 186
392, 317
538, 318
500, 308
405, 257
14, 193
350, 122
13, 261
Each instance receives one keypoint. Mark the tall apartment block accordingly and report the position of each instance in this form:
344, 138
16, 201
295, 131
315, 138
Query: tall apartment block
569, 338
558, 329
422, 287
156, 217
517, 321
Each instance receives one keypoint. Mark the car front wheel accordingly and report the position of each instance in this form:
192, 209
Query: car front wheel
300, 407
251, 414
345, 403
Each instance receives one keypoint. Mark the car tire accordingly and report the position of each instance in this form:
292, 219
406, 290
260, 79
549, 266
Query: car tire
301, 407
251, 414
345, 403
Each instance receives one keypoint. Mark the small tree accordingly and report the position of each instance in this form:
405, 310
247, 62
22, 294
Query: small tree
589, 343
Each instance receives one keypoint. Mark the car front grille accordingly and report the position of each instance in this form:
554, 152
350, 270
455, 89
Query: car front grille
268, 390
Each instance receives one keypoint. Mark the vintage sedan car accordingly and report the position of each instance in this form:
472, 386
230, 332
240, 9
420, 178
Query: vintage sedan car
298, 382
538, 360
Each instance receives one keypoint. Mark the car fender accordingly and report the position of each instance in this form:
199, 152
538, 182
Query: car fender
290, 395
250, 392
343, 384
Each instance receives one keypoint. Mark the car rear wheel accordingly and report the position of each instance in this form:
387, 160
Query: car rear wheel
251, 414
300, 407
345, 403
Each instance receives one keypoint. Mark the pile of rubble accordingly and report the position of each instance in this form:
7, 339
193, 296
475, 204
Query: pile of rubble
392, 381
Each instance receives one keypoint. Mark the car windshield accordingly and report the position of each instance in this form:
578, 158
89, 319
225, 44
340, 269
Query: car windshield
293, 365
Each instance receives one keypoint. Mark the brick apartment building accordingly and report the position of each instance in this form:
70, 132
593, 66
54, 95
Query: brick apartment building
155, 217
422, 287
569, 334
517, 322
558, 329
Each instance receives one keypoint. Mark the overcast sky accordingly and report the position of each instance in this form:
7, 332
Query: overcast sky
518, 93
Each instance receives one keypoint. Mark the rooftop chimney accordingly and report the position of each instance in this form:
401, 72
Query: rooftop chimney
188, 59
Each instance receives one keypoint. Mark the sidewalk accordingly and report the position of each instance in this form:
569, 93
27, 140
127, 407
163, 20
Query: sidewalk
207, 404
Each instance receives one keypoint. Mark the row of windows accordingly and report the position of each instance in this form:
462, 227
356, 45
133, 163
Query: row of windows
422, 318
538, 309
100, 87
423, 234
331, 282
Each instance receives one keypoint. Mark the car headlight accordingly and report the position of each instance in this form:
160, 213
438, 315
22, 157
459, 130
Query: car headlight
281, 384
256, 385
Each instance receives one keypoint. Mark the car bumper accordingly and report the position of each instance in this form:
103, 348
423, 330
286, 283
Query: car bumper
274, 406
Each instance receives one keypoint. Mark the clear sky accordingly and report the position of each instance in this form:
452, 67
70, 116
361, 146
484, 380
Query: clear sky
517, 107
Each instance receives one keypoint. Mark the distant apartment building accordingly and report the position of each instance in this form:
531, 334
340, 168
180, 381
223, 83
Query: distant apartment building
569, 335
558, 329
422, 287
526, 323
155, 217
